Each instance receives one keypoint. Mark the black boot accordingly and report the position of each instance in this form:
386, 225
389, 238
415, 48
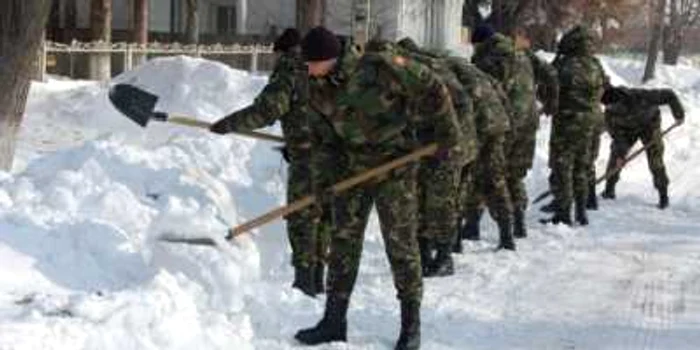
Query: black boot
519, 229
426, 254
332, 327
592, 202
319, 274
443, 265
581, 215
506, 236
663, 198
561, 216
457, 247
409, 339
471, 230
609, 192
304, 280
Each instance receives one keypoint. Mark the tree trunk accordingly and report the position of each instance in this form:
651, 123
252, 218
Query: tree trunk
140, 35
655, 41
673, 35
22, 24
309, 14
101, 30
192, 29
53, 26
71, 11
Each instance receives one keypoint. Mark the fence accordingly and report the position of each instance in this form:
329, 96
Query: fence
73, 60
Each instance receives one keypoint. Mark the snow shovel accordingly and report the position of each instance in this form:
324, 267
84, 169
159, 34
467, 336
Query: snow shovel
617, 168
138, 104
306, 201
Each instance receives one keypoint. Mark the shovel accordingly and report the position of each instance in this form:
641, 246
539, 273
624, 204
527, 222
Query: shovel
306, 201
138, 104
617, 168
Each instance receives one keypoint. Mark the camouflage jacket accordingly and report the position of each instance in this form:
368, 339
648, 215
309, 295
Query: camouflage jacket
388, 100
629, 109
547, 83
581, 77
491, 108
284, 98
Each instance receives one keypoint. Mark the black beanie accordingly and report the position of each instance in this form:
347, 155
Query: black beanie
482, 33
287, 40
320, 44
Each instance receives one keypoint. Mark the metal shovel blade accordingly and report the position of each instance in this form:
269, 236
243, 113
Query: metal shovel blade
136, 104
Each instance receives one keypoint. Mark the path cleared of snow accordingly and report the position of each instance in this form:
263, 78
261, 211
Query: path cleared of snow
81, 267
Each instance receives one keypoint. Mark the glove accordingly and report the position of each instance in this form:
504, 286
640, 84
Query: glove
220, 127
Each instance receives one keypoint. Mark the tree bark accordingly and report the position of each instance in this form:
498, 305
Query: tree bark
22, 23
101, 30
310, 14
673, 35
140, 34
192, 29
655, 41
71, 11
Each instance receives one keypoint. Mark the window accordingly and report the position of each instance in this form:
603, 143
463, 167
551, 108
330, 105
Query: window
225, 19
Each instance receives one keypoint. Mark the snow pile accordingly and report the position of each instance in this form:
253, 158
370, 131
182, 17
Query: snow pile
81, 267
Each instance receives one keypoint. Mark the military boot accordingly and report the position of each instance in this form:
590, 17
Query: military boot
319, 274
409, 339
519, 229
562, 215
609, 192
663, 198
426, 254
304, 280
332, 327
592, 202
443, 265
581, 215
505, 234
471, 230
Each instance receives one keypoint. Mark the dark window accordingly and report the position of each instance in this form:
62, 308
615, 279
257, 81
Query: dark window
225, 19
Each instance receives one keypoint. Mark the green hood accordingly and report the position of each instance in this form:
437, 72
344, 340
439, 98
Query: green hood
578, 41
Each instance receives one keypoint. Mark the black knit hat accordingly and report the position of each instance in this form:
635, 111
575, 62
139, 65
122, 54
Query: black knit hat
287, 40
320, 44
482, 33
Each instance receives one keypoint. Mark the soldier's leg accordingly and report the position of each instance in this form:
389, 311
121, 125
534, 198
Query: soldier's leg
655, 159
397, 207
496, 191
351, 215
426, 237
520, 160
465, 192
619, 147
474, 199
560, 179
581, 171
302, 233
438, 214
323, 237
592, 200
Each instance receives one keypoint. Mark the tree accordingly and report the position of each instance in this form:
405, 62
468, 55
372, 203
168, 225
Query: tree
101, 30
140, 34
657, 28
192, 29
682, 15
22, 23
71, 13
310, 13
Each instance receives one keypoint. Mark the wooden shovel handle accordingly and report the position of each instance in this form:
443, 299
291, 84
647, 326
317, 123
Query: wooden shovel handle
183, 120
338, 188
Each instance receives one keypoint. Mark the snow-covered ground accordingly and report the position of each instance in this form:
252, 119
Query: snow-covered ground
80, 267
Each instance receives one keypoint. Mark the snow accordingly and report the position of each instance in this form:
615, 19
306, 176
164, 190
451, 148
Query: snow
81, 266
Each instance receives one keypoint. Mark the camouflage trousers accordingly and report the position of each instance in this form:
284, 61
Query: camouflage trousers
308, 234
521, 152
622, 143
487, 182
570, 149
438, 198
396, 201
594, 152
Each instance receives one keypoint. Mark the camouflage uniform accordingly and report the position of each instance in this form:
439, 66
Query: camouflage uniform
438, 181
634, 115
485, 180
581, 82
285, 98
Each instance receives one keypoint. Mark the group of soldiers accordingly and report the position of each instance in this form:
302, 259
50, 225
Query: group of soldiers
345, 109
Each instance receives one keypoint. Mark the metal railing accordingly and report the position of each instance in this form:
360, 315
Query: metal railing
72, 59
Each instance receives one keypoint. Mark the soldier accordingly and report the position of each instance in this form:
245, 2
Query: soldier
631, 115
581, 83
438, 182
369, 109
493, 54
285, 98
